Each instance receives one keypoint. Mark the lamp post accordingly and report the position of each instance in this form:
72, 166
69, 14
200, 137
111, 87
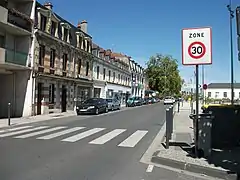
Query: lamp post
231, 16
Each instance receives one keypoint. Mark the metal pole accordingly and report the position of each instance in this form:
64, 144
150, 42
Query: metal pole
197, 109
9, 114
191, 102
203, 100
167, 128
231, 16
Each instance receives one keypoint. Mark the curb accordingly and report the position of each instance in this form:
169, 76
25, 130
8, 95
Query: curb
193, 168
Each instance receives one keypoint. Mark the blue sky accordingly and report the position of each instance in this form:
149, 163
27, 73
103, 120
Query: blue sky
141, 28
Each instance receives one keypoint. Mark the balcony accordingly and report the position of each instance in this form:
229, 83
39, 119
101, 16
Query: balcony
15, 22
10, 59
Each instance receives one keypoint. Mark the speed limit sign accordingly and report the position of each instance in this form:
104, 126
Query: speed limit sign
196, 46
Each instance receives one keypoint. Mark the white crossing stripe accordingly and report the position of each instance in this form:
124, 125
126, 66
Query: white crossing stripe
83, 135
132, 140
23, 131
61, 133
15, 129
40, 132
107, 137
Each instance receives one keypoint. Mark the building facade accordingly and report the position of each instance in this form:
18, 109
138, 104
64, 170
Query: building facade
62, 62
222, 91
138, 79
16, 53
111, 75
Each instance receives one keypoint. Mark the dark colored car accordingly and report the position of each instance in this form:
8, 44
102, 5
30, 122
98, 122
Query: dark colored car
92, 106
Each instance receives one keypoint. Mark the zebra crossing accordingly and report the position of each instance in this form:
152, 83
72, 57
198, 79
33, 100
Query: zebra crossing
74, 134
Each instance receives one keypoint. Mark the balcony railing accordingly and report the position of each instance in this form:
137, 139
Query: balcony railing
16, 57
19, 19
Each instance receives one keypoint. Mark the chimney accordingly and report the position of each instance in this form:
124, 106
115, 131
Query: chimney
84, 26
48, 5
79, 25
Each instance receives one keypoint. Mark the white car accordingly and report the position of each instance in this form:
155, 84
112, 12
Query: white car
168, 100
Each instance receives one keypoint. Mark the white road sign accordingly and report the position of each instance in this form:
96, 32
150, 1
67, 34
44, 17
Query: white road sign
197, 46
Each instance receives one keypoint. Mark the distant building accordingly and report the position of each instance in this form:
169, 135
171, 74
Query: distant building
222, 91
111, 74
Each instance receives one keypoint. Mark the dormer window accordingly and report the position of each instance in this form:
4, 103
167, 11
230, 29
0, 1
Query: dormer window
65, 34
43, 22
84, 45
53, 28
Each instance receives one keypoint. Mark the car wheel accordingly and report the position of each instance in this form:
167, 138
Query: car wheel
112, 108
119, 107
97, 111
106, 110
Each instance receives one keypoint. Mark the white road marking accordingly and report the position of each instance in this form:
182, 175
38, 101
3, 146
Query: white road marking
23, 131
107, 137
82, 135
40, 132
150, 168
61, 133
132, 140
15, 129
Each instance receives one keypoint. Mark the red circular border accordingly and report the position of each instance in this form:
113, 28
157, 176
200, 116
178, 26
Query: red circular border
204, 86
201, 55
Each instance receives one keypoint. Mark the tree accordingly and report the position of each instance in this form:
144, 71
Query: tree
163, 75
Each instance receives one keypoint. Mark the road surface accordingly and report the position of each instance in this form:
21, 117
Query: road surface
104, 147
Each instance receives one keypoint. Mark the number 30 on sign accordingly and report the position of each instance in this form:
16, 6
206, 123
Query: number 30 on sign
197, 46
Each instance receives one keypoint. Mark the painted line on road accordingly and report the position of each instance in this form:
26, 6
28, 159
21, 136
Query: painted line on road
150, 168
82, 135
40, 132
132, 140
15, 129
107, 137
61, 133
23, 131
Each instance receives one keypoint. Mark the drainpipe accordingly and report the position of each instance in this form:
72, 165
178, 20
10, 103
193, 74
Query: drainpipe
33, 73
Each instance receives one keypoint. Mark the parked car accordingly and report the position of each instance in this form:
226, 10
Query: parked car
92, 106
151, 100
169, 100
113, 104
134, 101
145, 101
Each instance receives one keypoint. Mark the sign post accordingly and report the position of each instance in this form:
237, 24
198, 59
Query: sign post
197, 50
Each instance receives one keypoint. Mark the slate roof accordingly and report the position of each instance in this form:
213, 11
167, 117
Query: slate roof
222, 85
73, 30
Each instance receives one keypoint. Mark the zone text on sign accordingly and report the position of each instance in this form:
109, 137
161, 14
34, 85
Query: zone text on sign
196, 35
197, 46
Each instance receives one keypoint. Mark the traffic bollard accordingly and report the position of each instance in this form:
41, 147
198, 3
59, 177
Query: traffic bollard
178, 106
167, 128
9, 114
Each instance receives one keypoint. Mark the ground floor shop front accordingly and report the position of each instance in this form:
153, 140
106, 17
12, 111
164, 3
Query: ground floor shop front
119, 92
54, 95
108, 90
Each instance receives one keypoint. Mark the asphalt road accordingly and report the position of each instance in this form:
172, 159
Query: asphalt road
74, 148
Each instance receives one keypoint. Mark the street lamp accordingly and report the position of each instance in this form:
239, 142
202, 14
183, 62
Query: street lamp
231, 16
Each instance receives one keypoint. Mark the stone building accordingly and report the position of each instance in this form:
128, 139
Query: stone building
138, 79
111, 74
62, 62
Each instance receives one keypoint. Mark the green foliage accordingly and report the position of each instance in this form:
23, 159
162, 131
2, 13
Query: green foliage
163, 75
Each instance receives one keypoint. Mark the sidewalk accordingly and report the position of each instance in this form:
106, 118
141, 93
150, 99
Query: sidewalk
38, 118
178, 155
